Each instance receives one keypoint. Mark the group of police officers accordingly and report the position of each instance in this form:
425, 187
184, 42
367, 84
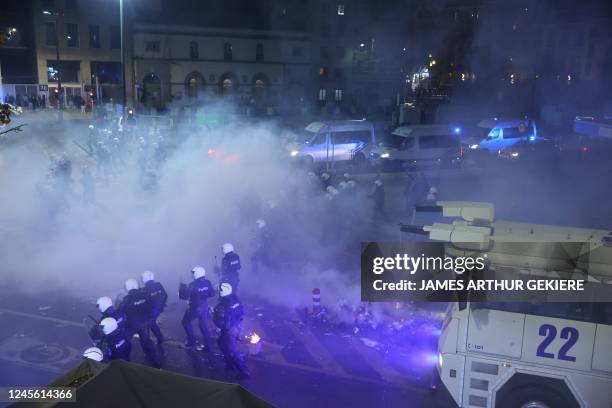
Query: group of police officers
140, 308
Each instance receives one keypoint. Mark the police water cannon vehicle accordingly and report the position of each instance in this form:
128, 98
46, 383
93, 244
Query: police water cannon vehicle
519, 245
506, 354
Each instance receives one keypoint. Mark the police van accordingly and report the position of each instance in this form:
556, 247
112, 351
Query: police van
337, 141
502, 134
420, 145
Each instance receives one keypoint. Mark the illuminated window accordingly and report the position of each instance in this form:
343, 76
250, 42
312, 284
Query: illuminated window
340, 9
338, 95
322, 94
323, 71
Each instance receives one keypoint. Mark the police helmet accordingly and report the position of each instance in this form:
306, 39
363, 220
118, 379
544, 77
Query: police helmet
131, 284
104, 303
198, 271
227, 248
93, 353
109, 325
225, 289
147, 276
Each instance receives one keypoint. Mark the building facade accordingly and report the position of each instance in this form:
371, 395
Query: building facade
86, 35
188, 64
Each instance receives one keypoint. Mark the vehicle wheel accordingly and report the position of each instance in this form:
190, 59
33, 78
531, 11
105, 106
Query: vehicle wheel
359, 160
308, 162
532, 397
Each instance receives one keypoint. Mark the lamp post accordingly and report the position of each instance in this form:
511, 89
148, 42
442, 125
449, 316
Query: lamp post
60, 114
121, 25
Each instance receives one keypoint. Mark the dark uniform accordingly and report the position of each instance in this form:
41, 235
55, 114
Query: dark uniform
230, 265
115, 346
157, 299
96, 333
137, 310
228, 317
197, 293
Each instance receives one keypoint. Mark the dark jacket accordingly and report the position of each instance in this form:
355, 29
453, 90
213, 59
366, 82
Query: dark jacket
157, 296
228, 312
230, 264
136, 307
197, 293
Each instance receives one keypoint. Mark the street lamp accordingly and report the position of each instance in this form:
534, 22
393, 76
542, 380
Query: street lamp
60, 115
121, 23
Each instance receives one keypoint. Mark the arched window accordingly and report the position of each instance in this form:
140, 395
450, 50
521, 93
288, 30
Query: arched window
227, 51
228, 83
194, 84
194, 52
259, 52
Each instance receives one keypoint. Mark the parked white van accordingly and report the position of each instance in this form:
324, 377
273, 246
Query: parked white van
348, 141
502, 134
420, 145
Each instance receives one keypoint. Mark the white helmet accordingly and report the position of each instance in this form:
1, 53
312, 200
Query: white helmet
325, 176
260, 223
227, 248
93, 353
225, 289
131, 284
198, 272
91, 127
104, 303
109, 325
378, 183
433, 190
147, 276
342, 185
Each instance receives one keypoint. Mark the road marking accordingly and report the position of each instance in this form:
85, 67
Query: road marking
320, 353
39, 317
379, 363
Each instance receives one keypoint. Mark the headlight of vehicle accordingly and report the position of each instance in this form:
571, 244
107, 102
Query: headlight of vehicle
294, 153
440, 360
474, 146
514, 154
384, 156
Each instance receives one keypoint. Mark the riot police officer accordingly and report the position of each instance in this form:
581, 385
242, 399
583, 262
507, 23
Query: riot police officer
197, 293
115, 344
106, 308
157, 299
137, 309
227, 316
230, 265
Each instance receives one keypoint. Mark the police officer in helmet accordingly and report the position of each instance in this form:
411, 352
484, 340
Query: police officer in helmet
157, 299
137, 309
115, 344
227, 316
230, 265
106, 308
197, 293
